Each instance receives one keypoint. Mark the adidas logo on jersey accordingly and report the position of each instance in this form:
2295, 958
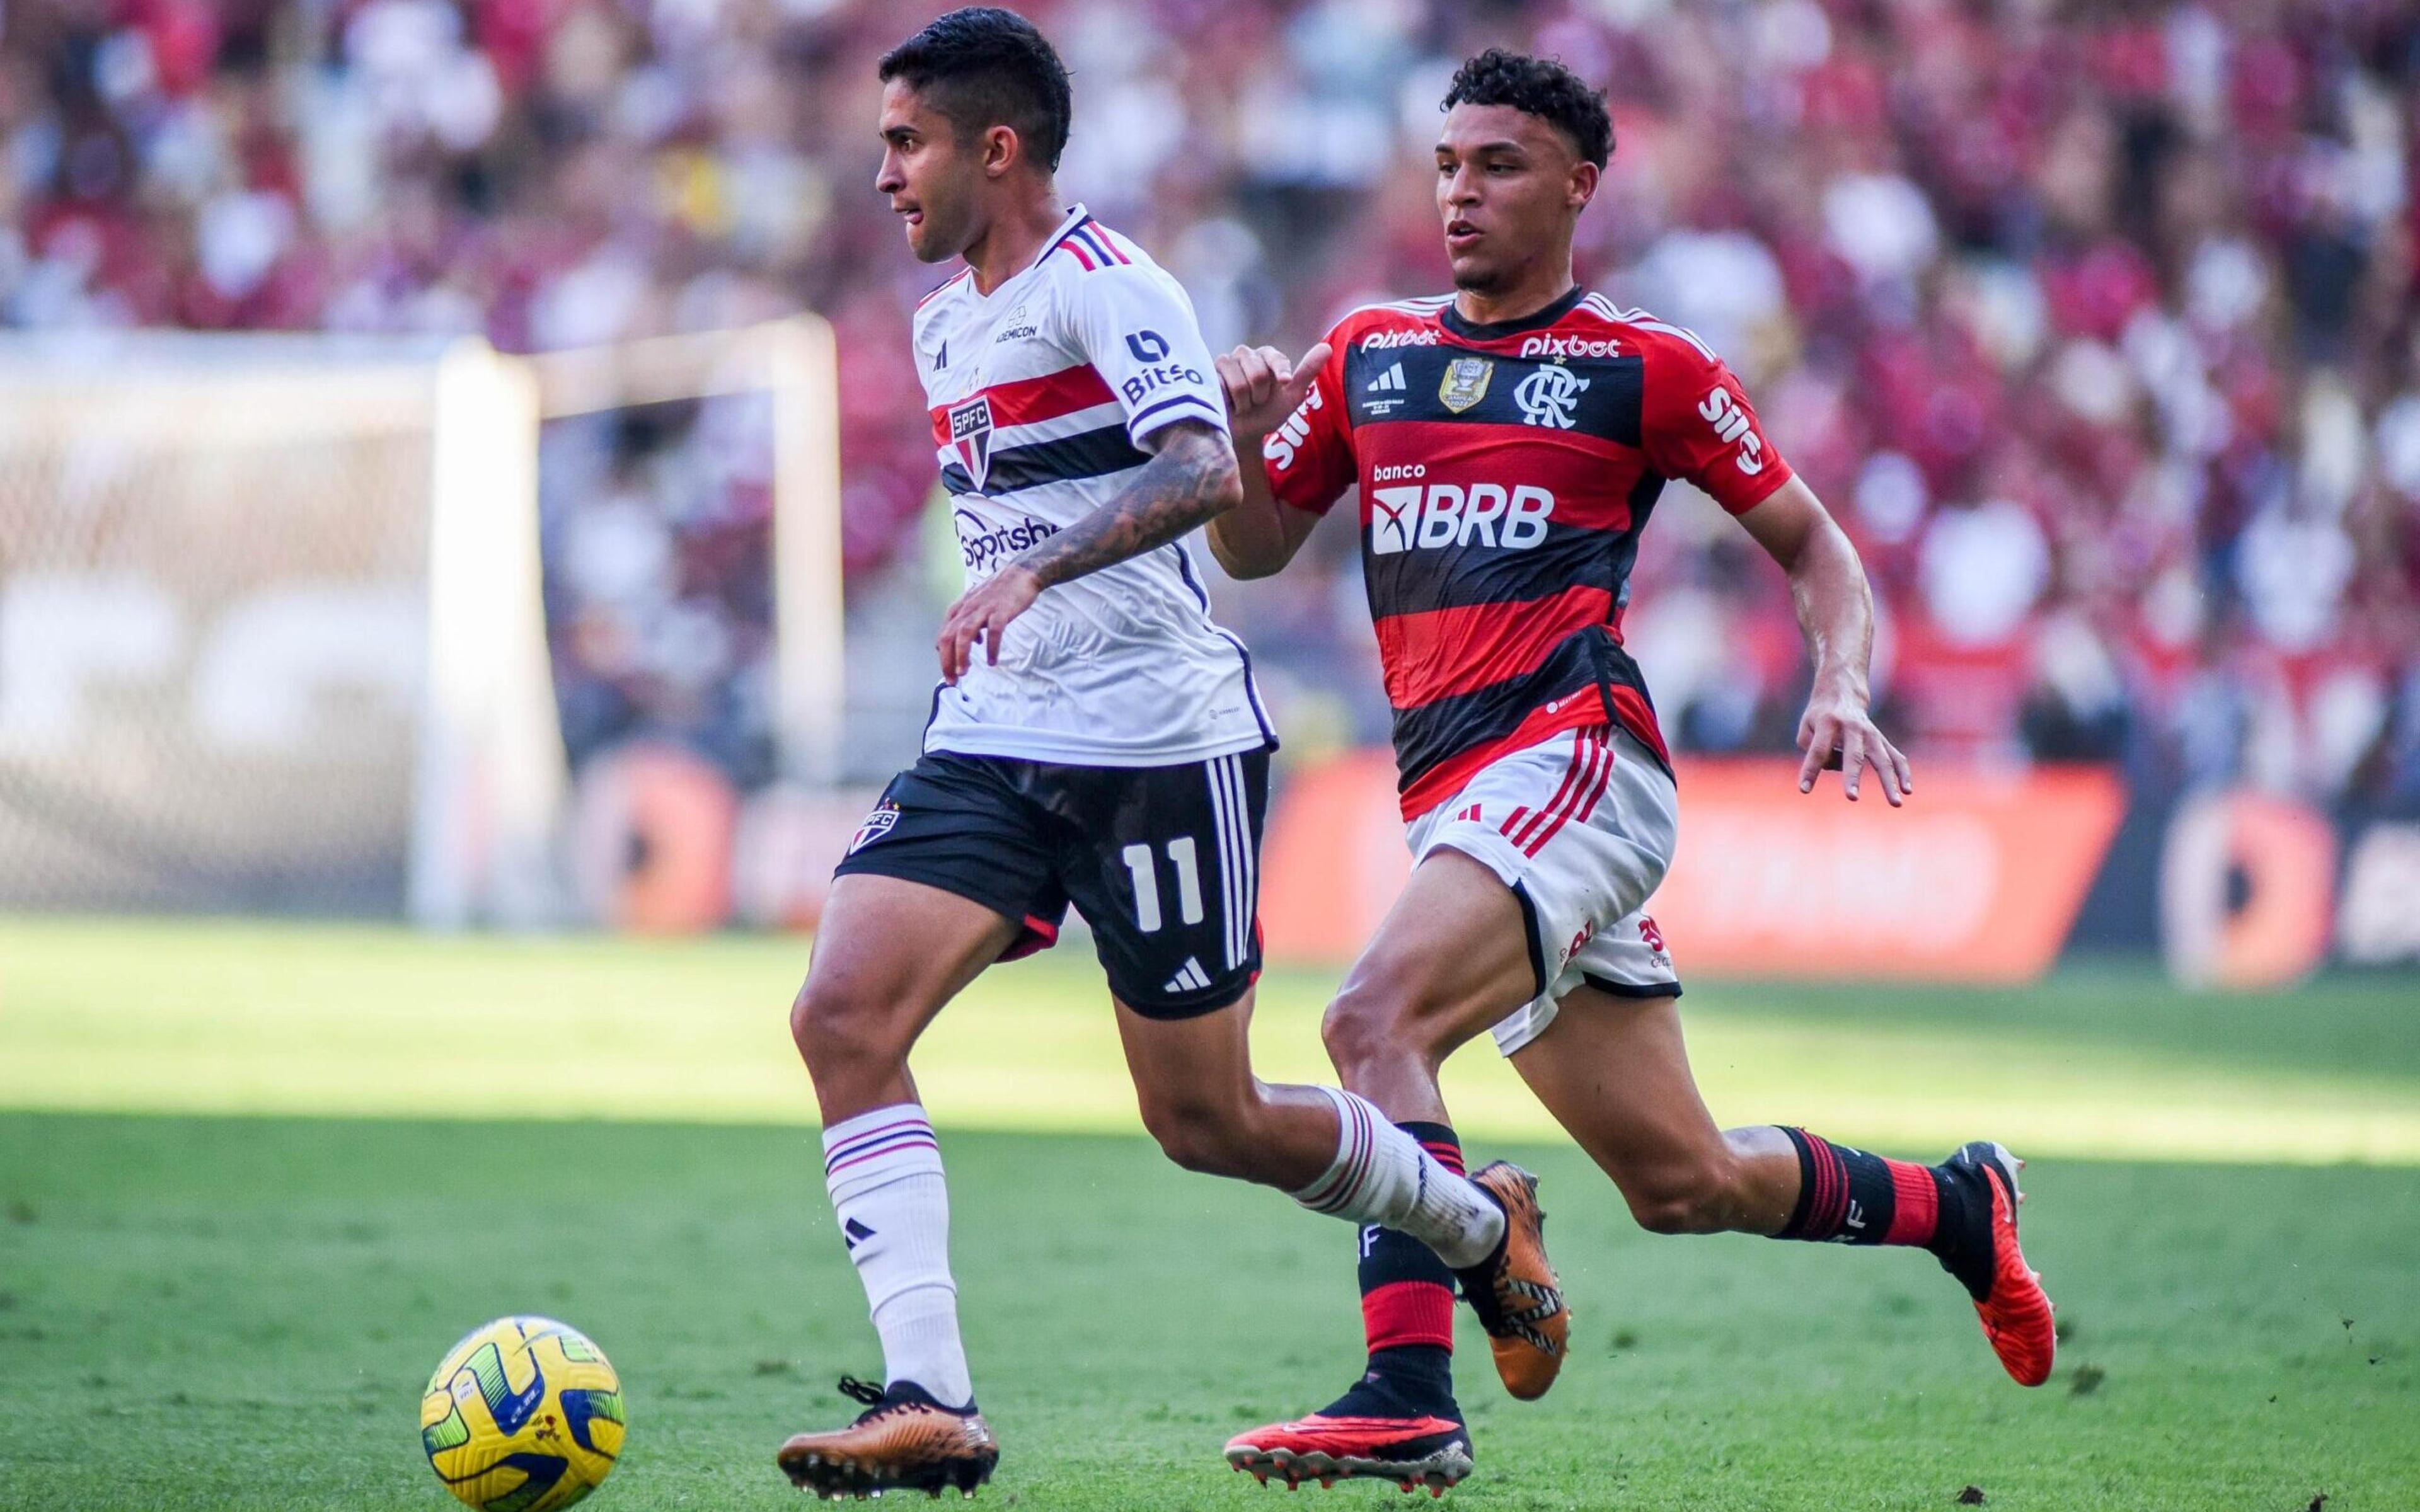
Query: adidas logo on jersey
1391, 379
1190, 977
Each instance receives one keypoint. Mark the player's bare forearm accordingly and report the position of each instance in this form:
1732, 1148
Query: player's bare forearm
1191, 480
1262, 386
1251, 540
1836, 613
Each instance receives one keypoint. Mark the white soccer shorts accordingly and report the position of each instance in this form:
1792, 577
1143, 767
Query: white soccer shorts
1581, 827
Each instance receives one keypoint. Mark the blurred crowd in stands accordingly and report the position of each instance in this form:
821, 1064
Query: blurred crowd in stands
2096, 323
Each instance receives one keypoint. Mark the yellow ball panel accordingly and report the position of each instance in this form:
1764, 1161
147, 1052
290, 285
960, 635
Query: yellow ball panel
523, 1416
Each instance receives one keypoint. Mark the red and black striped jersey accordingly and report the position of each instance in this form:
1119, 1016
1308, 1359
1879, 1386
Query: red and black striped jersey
1505, 472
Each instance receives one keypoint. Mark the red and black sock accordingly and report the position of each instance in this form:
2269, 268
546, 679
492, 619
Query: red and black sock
1406, 1312
1848, 1196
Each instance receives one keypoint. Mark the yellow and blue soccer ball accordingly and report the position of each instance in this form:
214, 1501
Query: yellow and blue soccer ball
524, 1415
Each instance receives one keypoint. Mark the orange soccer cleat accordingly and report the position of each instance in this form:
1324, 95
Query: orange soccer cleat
2015, 1310
1420, 1450
903, 1441
1515, 1294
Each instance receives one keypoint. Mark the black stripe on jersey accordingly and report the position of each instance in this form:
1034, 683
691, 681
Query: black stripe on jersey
1442, 728
1452, 577
1643, 495
1608, 407
1090, 454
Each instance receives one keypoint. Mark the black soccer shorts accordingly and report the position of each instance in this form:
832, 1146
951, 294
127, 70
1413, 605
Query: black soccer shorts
1162, 861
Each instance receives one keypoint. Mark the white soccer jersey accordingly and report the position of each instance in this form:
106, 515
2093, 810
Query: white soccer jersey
1040, 395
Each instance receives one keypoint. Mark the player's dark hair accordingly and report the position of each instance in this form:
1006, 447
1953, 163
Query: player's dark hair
984, 67
1539, 87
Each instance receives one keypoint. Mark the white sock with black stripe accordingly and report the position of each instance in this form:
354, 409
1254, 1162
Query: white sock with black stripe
883, 1171
1382, 1176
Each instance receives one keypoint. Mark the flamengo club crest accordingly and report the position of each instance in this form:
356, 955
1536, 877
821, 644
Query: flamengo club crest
970, 435
1547, 396
1465, 382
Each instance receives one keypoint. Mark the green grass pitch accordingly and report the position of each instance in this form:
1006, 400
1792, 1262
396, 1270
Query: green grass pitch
258, 1178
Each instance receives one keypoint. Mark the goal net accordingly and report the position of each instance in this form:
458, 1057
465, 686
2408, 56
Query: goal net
272, 627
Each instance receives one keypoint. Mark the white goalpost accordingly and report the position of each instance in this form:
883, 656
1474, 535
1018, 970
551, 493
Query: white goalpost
271, 627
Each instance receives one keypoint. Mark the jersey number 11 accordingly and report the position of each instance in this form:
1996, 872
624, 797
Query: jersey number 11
1181, 859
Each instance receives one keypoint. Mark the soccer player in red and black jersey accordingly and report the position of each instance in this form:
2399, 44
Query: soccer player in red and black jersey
1508, 443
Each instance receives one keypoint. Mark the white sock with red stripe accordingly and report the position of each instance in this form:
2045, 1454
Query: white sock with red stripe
1382, 1176
883, 1169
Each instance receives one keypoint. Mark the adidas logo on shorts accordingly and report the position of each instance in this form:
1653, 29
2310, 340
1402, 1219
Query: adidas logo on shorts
1191, 978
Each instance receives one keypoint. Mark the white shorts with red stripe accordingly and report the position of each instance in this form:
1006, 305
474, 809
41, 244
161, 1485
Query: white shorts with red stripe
1581, 827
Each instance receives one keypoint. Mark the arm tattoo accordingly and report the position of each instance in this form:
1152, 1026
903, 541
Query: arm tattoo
1186, 482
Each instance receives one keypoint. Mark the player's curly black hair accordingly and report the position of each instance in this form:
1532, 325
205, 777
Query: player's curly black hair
1539, 87
982, 67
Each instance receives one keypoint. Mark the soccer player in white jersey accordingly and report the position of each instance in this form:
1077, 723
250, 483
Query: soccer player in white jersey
1095, 740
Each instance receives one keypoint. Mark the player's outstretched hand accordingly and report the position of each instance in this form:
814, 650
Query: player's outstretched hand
1263, 388
1838, 734
981, 615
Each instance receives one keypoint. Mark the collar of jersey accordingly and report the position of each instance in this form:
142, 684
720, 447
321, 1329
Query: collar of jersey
1075, 217
1472, 330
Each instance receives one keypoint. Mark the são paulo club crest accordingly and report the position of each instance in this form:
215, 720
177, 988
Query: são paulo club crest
970, 435
877, 825
1465, 382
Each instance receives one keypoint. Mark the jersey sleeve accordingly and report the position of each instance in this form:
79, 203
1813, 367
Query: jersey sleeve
1698, 426
1136, 328
1309, 460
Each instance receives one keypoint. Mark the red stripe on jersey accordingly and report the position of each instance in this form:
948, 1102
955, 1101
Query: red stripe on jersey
1030, 401
1115, 251
1438, 653
1076, 247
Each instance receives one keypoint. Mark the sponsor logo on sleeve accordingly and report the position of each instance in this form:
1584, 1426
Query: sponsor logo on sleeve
1731, 424
1151, 348
1285, 442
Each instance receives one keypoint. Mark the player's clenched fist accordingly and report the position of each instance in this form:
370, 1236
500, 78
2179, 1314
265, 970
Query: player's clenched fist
1263, 388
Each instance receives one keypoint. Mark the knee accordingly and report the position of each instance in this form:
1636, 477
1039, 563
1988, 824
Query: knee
1371, 1020
836, 1025
1200, 1136
1696, 1198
